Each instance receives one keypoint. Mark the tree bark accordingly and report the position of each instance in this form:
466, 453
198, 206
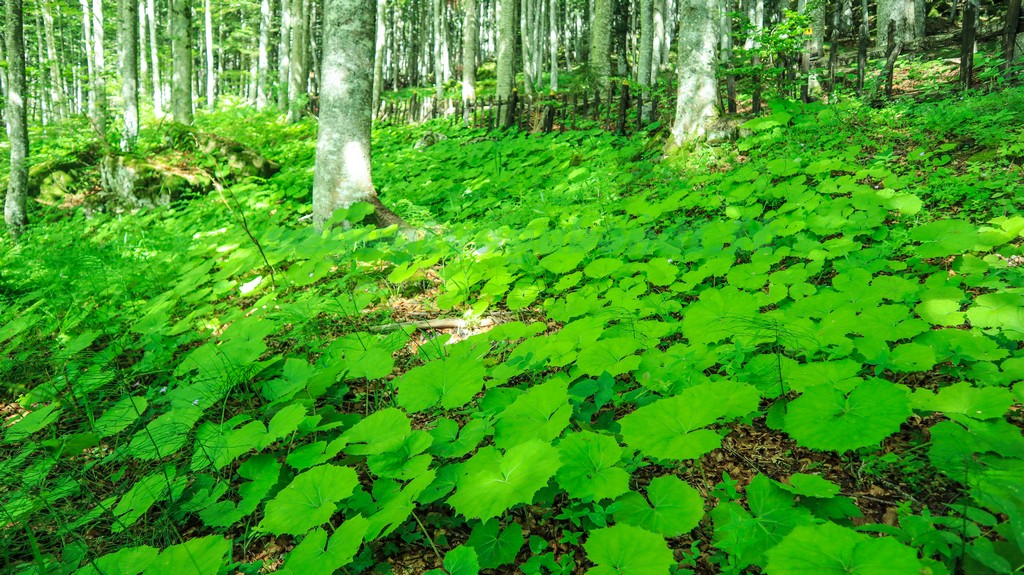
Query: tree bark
283, 56
553, 44
181, 49
299, 75
698, 86
437, 18
379, 54
343, 174
99, 80
211, 79
16, 113
600, 43
158, 91
506, 50
129, 19
56, 82
470, 42
263, 65
646, 49
1014, 41
903, 13
658, 47
90, 61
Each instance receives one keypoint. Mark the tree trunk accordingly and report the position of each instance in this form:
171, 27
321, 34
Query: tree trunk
698, 86
600, 43
903, 13
1013, 48
437, 19
129, 19
99, 80
506, 50
263, 66
646, 48
181, 49
343, 174
90, 61
283, 56
379, 54
56, 94
298, 77
553, 44
17, 121
158, 94
526, 45
211, 79
658, 47
470, 42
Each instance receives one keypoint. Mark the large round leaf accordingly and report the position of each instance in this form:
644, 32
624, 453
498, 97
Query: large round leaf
590, 466
833, 550
492, 482
826, 418
309, 500
627, 550
675, 507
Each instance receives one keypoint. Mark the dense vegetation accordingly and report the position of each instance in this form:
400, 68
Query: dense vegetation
799, 353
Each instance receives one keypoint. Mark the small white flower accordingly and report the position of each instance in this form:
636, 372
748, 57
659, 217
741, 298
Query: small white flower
163, 389
195, 402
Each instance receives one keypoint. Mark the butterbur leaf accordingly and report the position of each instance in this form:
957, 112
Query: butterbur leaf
627, 550
747, 535
540, 413
283, 423
811, 486
675, 507
826, 418
944, 238
614, 355
128, 561
165, 434
492, 482
194, 557
496, 547
590, 466
33, 422
452, 384
461, 561
602, 267
965, 399
829, 549
671, 428
309, 500
311, 556
120, 415
563, 260
378, 432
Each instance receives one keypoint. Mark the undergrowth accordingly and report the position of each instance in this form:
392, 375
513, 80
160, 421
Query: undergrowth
800, 353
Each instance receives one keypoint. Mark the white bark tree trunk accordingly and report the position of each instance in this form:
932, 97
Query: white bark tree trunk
99, 80
343, 174
379, 54
129, 20
56, 81
904, 14
297, 79
15, 216
506, 47
698, 86
181, 49
553, 44
90, 61
601, 43
470, 43
158, 90
437, 18
211, 79
284, 58
263, 66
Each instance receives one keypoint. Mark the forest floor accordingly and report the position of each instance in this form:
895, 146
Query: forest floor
798, 352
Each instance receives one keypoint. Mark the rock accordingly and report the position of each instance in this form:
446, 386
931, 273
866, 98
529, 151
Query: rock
429, 139
55, 186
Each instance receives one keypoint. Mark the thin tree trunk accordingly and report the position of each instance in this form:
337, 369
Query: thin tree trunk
263, 67
283, 56
90, 61
211, 81
181, 48
506, 49
526, 45
56, 83
15, 215
437, 16
129, 19
1014, 34
553, 44
967, 39
100, 80
297, 80
470, 43
379, 54
646, 49
158, 93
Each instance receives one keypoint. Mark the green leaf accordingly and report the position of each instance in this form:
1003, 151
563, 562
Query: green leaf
591, 466
311, 556
523, 294
452, 384
130, 561
675, 507
826, 418
284, 422
33, 422
120, 415
165, 434
614, 355
627, 550
602, 267
944, 237
540, 413
309, 500
671, 428
492, 483
381, 431
563, 260
263, 472
194, 557
811, 486
965, 399
496, 547
833, 550
1002, 310
461, 560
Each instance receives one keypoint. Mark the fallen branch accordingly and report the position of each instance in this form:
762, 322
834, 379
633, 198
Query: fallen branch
438, 323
